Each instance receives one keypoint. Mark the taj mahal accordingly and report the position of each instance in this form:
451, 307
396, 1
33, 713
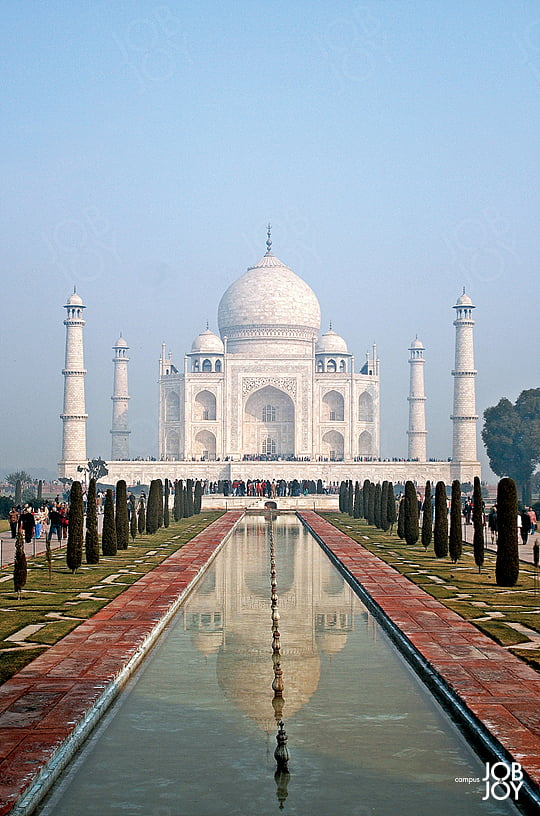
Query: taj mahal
270, 396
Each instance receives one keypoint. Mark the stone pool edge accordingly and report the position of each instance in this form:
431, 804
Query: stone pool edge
208, 542
359, 566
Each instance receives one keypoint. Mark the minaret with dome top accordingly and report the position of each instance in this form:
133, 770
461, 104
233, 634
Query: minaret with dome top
417, 401
464, 416
74, 414
120, 398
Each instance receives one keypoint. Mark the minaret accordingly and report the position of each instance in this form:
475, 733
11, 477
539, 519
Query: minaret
120, 431
417, 403
464, 415
74, 414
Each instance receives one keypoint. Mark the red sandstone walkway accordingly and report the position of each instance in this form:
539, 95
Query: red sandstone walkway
499, 690
48, 700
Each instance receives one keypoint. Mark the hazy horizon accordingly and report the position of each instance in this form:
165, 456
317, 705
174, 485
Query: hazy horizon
393, 146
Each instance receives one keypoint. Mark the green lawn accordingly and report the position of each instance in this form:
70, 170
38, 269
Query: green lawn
473, 595
61, 604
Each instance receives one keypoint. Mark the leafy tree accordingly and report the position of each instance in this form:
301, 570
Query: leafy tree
141, 517
20, 569
75, 528
440, 527
478, 524
456, 539
132, 517
507, 562
122, 519
19, 476
97, 468
166, 493
391, 507
511, 435
152, 510
410, 522
108, 534
427, 517
92, 539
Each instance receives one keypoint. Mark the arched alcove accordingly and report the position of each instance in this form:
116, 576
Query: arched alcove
365, 444
205, 445
333, 445
333, 407
205, 406
172, 445
172, 406
268, 415
365, 407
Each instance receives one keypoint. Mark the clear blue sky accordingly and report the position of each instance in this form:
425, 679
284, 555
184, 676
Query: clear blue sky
394, 146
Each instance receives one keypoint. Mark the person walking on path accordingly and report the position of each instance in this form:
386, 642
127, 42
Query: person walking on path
55, 524
525, 527
13, 518
27, 522
492, 524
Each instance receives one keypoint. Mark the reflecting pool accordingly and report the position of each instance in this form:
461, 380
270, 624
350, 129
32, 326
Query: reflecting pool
194, 732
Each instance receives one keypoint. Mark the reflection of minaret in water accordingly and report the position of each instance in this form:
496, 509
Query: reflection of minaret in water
120, 429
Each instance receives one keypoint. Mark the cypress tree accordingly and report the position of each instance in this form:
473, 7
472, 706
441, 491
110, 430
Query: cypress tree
189, 497
141, 517
122, 520
166, 492
384, 506
456, 537
320, 489
159, 503
132, 518
75, 528
108, 534
377, 505
427, 517
371, 504
176, 514
341, 496
350, 498
365, 496
401, 518
178, 500
507, 562
20, 569
356, 506
478, 524
391, 509
410, 523
440, 527
18, 492
91, 543
197, 499
152, 510
40, 491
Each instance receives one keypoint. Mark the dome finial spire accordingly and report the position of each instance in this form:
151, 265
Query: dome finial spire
269, 240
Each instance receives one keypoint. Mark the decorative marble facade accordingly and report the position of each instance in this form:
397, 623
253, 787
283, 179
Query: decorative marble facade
268, 388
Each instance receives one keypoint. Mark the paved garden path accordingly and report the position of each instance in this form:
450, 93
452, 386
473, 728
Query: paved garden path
499, 692
48, 707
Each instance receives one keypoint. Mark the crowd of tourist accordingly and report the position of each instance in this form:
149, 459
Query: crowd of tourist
44, 522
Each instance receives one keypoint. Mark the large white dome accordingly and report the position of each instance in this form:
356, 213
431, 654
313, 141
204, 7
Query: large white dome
269, 303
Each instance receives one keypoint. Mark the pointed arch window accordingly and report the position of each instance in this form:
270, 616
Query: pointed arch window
331, 365
269, 413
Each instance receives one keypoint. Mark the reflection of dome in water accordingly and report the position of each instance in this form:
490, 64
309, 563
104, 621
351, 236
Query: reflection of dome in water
246, 679
331, 642
207, 642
